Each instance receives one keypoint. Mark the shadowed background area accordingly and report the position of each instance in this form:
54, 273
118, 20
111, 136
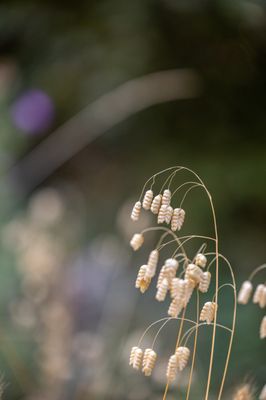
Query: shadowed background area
95, 97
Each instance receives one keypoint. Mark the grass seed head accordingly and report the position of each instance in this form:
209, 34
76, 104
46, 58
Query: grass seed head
205, 282
136, 211
137, 241
208, 312
200, 260
245, 292
156, 204
263, 328
171, 368
147, 200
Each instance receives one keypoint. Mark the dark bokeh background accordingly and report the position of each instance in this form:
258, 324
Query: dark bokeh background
69, 311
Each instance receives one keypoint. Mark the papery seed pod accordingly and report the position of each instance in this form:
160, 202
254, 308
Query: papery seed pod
162, 275
182, 356
171, 264
168, 214
189, 287
137, 241
194, 273
263, 328
153, 260
132, 355
263, 393
162, 214
145, 356
177, 288
245, 292
136, 211
244, 392
146, 204
178, 218
166, 197
205, 282
140, 276
137, 361
175, 307
162, 290
200, 260
149, 362
156, 204
208, 312
171, 368
260, 295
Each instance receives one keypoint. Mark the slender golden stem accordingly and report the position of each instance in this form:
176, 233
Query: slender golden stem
194, 351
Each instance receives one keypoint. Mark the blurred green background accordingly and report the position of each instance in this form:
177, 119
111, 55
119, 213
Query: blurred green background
69, 310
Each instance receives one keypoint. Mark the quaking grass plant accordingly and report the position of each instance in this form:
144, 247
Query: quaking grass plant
181, 276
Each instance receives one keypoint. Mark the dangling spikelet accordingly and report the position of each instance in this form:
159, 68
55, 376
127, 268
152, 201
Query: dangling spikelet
205, 282
146, 204
201, 260
208, 312
177, 219
171, 266
175, 307
263, 393
137, 241
168, 214
140, 276
166, 197
152, 264
182, 356
171, 368
150, 358
132, 355
162, 214
142, 282
245, 292
260, 295
162, 275
263, 328
194, 273
177, 288
136, 211
244, 392
156, 204
189, 287
136, 358
162, 290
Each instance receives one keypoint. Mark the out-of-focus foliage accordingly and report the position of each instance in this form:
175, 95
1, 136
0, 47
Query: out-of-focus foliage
69, 311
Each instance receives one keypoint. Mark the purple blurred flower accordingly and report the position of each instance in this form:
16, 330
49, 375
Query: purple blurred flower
33, 112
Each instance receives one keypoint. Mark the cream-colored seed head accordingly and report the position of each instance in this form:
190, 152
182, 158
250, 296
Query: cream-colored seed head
194, 273
208, 312
205, 282
166, 197
182, 356
162, 214
171, 263
244, 392
263, 328
162, 290
140, 276
136, 211
175, 307
168, 214
146, 204
137, 241
263, 393
178, 218
152, 264
260, 295
177, 288
156, 204
189, 287
142, 282
132, 355
245, 292
201, 260
137, 359
162, 275
171, 368
150, 358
